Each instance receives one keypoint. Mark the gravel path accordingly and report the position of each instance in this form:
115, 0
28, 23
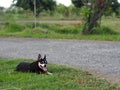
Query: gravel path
99, 57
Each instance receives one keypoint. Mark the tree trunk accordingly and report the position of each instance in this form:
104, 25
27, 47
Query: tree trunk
97, 14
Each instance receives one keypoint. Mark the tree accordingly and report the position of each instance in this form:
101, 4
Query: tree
115, 7
96, 10
40, 5
1, 9
78, 3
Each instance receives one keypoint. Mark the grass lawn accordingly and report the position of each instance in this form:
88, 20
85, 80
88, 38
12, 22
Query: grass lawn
63, 78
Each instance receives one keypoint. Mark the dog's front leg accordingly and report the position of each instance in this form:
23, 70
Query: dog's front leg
48, 73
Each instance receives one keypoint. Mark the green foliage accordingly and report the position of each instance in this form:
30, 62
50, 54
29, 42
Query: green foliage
96, 10
67, 30
1, 9
78, 3
115, 7
14, 27
104, 30
63, 78
40, 30
62, 30
62, 10
41, 5
85, 13
57, 28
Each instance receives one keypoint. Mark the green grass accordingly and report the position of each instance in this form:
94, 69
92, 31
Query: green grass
63, 78
112, 23
109, 31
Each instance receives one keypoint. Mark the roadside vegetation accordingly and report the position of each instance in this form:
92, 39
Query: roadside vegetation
63, 78
106, 27
108, 31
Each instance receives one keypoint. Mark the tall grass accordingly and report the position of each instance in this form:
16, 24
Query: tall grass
59, 31
104, 30
13, 27
63, 78
112, 23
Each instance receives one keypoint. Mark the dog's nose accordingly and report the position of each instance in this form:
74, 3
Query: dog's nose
44, 65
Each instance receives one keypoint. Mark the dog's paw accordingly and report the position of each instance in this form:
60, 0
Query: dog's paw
49, 73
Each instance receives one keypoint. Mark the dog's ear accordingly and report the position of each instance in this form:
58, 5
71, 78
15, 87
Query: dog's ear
39, 56
44, 57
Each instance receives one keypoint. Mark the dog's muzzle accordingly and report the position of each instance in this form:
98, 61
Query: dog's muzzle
42, 66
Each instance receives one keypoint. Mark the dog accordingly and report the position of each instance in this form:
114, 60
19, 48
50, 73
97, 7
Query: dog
39, 66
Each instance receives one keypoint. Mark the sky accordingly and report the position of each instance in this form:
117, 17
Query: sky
7, 3
65, 2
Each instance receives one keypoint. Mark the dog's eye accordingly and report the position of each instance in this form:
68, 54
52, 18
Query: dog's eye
46, 62
42, 62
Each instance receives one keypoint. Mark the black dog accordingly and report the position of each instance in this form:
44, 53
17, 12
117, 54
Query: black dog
38, 66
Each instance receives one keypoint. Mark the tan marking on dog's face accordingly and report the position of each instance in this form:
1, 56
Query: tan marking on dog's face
39, 64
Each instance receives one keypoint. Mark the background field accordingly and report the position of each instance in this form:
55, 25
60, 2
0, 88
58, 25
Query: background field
62, 30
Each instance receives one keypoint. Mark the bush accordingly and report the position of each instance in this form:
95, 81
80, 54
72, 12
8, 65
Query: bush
14, 27
104, 30
67, 30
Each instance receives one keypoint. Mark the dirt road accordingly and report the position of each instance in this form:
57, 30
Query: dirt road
101, 58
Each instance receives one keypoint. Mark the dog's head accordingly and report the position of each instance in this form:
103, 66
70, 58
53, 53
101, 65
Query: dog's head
42, 62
